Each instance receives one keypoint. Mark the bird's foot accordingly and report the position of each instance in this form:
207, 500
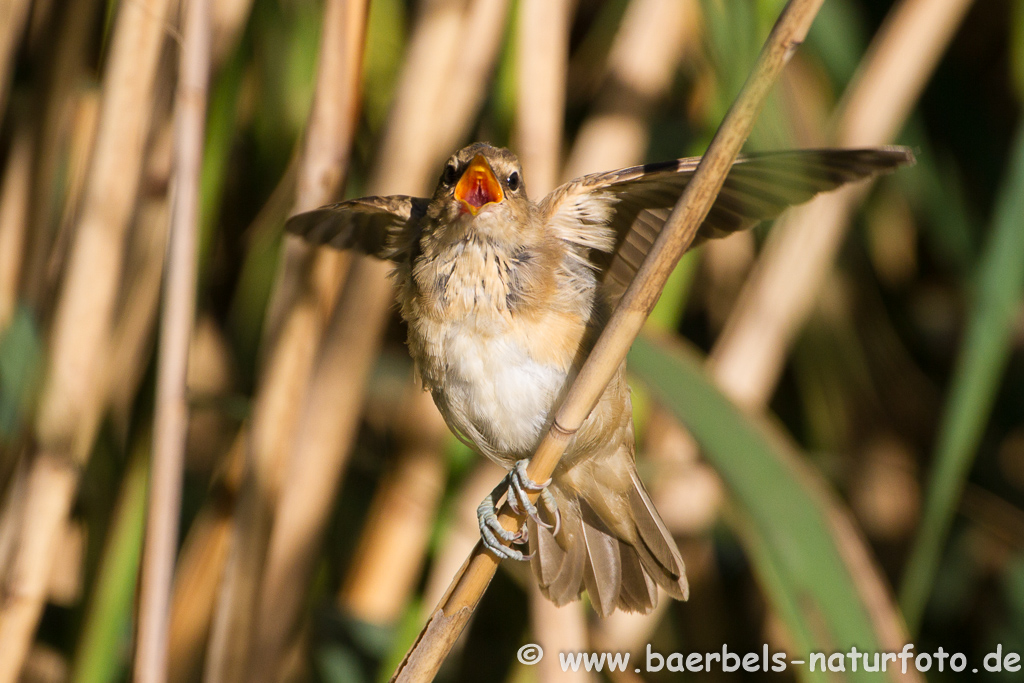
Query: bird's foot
520, 486
493, 533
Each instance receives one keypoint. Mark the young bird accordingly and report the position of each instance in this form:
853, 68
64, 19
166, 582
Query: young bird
504, 297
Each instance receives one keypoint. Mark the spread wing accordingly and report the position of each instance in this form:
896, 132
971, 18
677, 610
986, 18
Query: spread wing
635, 202
372, 225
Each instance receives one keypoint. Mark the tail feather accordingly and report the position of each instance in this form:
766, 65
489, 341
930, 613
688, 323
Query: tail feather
664, 564
620, 569
550, 557
639, 592
559, 563
603, 574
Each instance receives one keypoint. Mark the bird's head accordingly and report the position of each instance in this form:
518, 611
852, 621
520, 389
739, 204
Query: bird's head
481, 188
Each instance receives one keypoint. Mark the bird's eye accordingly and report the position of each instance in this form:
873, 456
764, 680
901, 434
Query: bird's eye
513, 181
450, 174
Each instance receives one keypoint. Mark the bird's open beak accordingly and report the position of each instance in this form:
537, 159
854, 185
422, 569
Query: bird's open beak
478, 187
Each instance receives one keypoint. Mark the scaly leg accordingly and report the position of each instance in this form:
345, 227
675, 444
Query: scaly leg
492, 532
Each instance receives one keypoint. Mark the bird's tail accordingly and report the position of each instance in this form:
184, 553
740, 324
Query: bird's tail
612, 542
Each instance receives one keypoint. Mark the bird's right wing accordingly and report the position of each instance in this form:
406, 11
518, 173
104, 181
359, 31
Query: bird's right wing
620, 213
377, 226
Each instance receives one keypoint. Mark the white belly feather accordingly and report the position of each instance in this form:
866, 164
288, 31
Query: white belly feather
497, 391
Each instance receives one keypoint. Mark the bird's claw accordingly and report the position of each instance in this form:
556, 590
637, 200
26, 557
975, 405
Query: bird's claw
520, 486
493, 533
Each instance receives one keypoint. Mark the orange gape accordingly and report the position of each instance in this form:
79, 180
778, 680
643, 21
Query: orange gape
478, 186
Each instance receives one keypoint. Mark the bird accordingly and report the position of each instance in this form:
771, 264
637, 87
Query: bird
503, 298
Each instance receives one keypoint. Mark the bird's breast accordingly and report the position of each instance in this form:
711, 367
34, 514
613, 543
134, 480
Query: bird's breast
496, 369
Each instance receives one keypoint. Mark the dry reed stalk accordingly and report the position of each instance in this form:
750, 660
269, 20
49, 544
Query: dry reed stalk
641, 64
15, 187
333, 117
177, 319
393, 542
13, 15
65, 584
135, 314
302, 299
897, 67
39, 21
197, 579
405, 163
45, 664
211, 381
201, 562
425, 657
48, 491
467, 85
12, 507
72, 388
131, 339
542, 50
749, 355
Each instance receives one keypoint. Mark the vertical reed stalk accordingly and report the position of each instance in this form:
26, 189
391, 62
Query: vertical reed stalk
198, 575
171, 422
301, 302
543, 53
58, 104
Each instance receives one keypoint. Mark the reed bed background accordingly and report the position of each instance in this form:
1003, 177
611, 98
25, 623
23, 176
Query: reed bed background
830, 410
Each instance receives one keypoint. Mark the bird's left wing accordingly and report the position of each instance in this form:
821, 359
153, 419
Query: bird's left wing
377, 226
620, 213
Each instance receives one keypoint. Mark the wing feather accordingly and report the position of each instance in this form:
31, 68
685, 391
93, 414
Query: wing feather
637, 200
378, 226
